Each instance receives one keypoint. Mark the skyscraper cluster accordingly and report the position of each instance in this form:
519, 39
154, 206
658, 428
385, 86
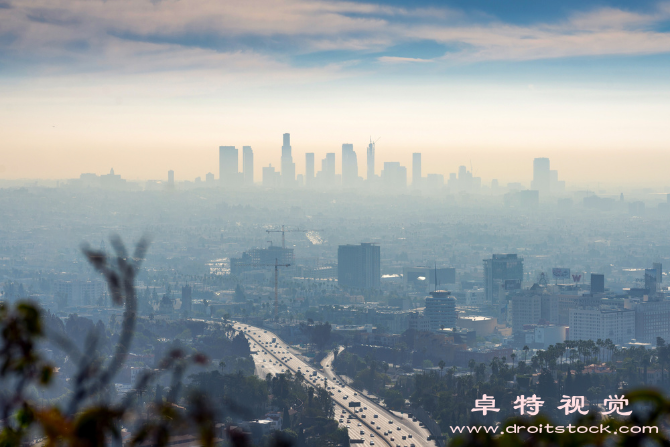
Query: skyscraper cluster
545, 180
393, 175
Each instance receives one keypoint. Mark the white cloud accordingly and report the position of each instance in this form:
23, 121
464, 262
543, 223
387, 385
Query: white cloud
400, 60
261, 36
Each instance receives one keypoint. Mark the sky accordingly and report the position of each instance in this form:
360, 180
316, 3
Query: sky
148, 86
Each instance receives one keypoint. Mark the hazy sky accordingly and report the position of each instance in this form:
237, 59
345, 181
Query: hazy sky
147, 86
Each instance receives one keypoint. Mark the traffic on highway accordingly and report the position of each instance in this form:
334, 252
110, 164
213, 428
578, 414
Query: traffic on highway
367, 422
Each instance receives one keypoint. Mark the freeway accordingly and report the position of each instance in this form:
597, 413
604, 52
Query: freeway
411, 426
370, 423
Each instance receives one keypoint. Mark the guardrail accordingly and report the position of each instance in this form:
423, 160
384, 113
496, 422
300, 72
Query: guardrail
434, 429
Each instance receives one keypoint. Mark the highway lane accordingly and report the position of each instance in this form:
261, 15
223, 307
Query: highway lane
371, 423
275, 359
407, 423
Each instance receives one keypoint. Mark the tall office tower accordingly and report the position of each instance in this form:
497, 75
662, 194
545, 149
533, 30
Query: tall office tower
541, 175
309, 168
651, 280
440, 310
394, 175
287, 165
327, 174
349, 165
371, 161
271, 178
416, 169
358, 266
597, 283
248, 165
209, 179
170, 179
659, 272
186, 300
501, 272
228, 165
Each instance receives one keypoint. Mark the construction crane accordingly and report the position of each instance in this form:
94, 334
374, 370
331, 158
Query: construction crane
276, 266
283, 231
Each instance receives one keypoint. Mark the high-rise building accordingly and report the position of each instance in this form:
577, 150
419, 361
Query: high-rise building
358, 266
271, 178
309, 168
371, 162
287, 165
170, 181
228, 166
327, 174
416, 170
394, 175
80, 293
440, 310
541, 175
349, 165
209, 179
186, 300
464, 181
652, 319
434, 182
501, 272
589, 323
597, 283
248, 165
526, 309
659, 272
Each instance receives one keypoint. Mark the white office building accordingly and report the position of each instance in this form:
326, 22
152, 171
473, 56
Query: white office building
592, 324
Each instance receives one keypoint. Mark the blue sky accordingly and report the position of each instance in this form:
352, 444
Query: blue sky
602, 64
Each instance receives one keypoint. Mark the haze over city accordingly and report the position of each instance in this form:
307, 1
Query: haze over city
320, 223
147, 87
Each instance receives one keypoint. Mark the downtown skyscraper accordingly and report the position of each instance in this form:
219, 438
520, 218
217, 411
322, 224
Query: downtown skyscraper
287, 164
228, 166
248, 165
349, 165
371, 160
